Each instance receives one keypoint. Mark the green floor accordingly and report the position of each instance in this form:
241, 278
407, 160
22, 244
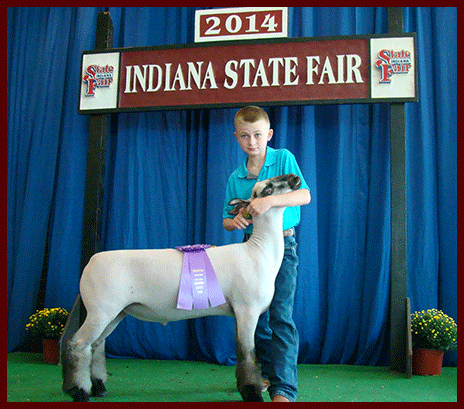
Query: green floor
133, 380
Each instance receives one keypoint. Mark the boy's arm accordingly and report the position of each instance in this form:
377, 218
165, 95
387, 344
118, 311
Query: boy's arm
261, 205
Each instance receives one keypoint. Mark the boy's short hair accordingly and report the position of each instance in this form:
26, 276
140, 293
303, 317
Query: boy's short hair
251, 114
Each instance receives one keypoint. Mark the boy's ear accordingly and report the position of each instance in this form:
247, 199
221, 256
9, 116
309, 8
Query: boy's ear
269, 135
238, 204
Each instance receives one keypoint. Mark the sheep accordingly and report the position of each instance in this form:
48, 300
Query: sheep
144, 284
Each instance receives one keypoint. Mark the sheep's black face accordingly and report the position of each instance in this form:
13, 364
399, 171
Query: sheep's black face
276, 185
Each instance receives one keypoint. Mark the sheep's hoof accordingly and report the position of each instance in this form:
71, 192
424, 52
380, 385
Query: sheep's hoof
78, 394
98, 388
251, 393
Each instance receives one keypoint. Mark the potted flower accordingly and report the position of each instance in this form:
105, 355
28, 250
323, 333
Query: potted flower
47, 325
433, 333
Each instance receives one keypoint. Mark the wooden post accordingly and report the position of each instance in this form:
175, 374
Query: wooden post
94, 187
398, 269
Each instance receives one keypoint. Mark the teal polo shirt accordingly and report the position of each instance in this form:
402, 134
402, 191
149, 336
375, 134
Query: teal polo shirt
278, 162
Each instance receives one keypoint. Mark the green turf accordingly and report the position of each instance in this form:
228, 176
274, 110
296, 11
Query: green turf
135, 380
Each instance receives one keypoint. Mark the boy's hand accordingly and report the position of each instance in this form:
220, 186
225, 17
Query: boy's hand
259, 206
240, 222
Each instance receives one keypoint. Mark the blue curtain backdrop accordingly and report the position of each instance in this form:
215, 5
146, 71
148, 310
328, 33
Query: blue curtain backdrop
166, 174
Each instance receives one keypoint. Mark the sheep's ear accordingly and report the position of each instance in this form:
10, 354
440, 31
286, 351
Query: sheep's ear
238, 204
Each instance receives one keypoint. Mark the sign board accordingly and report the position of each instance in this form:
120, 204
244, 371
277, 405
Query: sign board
344, 69
241, 23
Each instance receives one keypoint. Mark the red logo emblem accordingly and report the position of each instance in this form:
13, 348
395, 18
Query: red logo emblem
393, 62
97, 76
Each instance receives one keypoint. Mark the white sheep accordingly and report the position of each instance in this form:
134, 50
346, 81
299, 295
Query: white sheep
145, 283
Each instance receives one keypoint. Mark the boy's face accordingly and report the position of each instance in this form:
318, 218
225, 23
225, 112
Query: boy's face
253, 136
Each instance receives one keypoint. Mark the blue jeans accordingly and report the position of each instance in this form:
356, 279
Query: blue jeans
276, 335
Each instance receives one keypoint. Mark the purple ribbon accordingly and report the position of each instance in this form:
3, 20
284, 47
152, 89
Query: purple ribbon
198, 282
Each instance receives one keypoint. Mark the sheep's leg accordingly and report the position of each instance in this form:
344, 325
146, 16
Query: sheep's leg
247, 371
77, 358
98, 366
98, 373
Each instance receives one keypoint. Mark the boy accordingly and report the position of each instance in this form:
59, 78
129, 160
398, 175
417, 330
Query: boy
276, 335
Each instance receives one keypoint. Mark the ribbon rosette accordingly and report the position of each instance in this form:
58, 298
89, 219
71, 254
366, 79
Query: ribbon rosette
199, 286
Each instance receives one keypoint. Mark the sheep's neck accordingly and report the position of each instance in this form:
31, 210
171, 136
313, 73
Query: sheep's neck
267, 236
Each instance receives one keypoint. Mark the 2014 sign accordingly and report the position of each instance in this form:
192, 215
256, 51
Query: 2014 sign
241, 23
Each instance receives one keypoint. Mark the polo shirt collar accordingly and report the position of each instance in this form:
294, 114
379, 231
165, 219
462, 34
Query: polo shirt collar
271, 157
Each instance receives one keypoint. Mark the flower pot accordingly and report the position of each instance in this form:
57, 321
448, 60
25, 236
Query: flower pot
427, 361
51, 351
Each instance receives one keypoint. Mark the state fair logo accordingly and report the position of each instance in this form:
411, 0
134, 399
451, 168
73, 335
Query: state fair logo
97, 76
393, 62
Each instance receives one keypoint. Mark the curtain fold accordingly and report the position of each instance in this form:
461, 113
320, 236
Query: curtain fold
166, 173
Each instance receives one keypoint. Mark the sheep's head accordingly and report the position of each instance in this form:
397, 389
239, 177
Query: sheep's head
274, 186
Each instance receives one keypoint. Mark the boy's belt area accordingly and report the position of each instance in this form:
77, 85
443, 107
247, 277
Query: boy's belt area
286, 233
